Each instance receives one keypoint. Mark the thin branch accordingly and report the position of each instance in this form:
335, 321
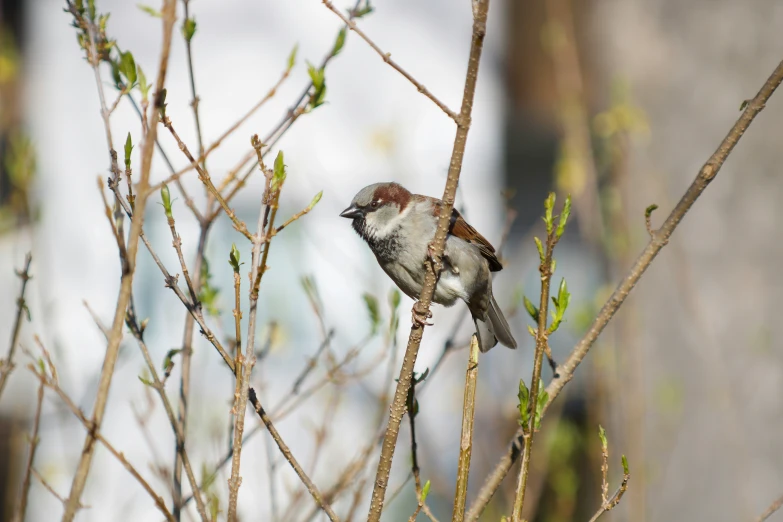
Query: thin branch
438, 243
179, 435
542, 341
176, 175
319, 499
612, 502
387, 58
466, 439
203, 175
177, 244
7, 364
658, 241
776, 504
34, 440
112, 350
52, 383
48, 486
186, 355
195, 99
291, 115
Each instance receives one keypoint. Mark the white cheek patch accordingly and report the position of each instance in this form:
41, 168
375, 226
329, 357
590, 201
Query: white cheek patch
383, 230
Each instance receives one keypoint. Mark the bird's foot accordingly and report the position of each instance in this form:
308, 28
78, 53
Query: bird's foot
420, 316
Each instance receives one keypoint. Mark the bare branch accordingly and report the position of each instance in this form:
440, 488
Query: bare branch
434, 265
112, 350
7, 364
51, 383
466, 440
22, 506
387, 58
319, 499
203, 175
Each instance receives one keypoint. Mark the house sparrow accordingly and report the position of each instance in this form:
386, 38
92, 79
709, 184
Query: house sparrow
398, 226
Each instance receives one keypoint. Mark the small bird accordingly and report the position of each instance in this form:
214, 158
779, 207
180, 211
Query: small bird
398, 226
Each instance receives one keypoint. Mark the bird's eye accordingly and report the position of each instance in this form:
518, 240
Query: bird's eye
374, 204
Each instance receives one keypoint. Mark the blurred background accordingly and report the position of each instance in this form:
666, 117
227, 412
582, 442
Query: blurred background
617, 102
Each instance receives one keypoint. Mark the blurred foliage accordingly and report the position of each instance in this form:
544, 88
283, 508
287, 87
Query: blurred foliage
17, 152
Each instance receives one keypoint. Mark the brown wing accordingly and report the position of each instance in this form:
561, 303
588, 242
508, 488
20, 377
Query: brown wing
460, 228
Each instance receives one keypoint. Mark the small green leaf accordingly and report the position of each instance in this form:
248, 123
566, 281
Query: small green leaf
531, 331
394, 298
540, 248
419, 378
214, 506
91, 9
150, 10
146, 381
315, 201
564, 217
279, 173
553, 266
532, 310
524, 404
292, 57
128, 68
649, 210
424, 492
340, 42
128, 149
316, 76
165, 196
41, 366
549, 205
364, 10
541, 401
144, 87
372, 309
319, 85
744, 104
602, 436
168, 364
115, 74
625, 466
189, 29
233, 257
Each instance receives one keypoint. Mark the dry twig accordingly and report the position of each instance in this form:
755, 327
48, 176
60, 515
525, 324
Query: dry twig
21, 508
317, 496
387, 58
7, 364
434, 265
466, 440
112, 351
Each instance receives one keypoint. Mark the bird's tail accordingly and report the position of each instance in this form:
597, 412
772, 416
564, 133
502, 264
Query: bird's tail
493, 329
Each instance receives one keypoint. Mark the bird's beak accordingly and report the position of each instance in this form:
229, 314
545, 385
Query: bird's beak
351, 212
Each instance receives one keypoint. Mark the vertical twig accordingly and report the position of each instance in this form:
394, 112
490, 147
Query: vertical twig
187, 353
245, 364
7, 364
112, 350
545, 269
179, 435
22, 507
466, 439
660, 238
438, 243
